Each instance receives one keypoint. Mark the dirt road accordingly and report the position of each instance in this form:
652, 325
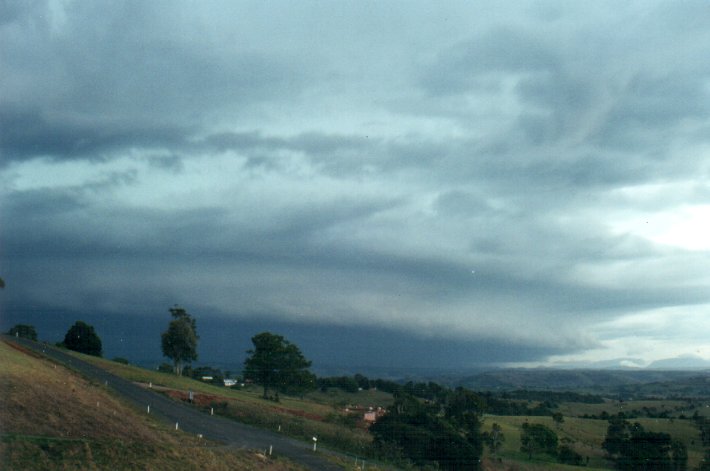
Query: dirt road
188, 419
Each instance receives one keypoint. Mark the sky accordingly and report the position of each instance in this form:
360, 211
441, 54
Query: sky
388, 183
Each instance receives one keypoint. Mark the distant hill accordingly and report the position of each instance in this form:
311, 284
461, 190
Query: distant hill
646, 381
689, 362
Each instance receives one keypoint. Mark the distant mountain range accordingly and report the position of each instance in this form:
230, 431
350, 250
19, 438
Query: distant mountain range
688, 362
621, 382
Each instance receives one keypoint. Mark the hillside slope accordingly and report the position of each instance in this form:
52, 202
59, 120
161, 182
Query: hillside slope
53, 419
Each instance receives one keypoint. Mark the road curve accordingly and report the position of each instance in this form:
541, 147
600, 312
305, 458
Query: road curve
189, 419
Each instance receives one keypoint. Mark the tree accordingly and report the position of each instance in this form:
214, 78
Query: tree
494, 439
558, 418
417, 431
278, 364
24, 331
81, 337
679, 455
617, 436
705, 464
631, 447
567, 455
462, 411
179, 342
537, 438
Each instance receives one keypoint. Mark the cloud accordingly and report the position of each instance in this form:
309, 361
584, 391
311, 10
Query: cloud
27, 134
495, 176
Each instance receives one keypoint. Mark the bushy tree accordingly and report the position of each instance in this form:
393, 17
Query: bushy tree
536, 438
494, 439
416, 431
679, 455
632, 447
179, 342
558, 419
705, 464
24, 331
567, 455
81, 337
617, 436
276, 363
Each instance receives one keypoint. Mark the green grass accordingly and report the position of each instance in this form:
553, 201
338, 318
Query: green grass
322, 414
318, 414
54, 419
366, 398
586, 436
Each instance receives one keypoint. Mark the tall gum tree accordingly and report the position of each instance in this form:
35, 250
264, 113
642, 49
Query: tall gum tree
179, 342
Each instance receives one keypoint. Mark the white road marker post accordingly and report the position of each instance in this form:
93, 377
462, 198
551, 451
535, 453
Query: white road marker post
149, 408
271, 449
176, 425
211, 410
315, 442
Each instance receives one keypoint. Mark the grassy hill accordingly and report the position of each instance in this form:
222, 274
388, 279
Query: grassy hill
331, 416
53, 419
323, 414
51, 413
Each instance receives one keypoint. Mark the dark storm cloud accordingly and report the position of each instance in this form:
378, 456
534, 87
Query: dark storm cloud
83, 82
486, 176
26, 133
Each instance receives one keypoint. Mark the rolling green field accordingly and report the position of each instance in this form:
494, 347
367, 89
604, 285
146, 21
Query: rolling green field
585, 436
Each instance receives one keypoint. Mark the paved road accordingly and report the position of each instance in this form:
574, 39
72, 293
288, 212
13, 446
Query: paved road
189, 419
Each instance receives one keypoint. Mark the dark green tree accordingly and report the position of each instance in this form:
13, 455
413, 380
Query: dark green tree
494, 439
705, 463
567, 455
558, 419
679, 455
179, 342
462, 411
536, 438
417, 432
81, 337
24, 331
276, 363
617, 436
633, 448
